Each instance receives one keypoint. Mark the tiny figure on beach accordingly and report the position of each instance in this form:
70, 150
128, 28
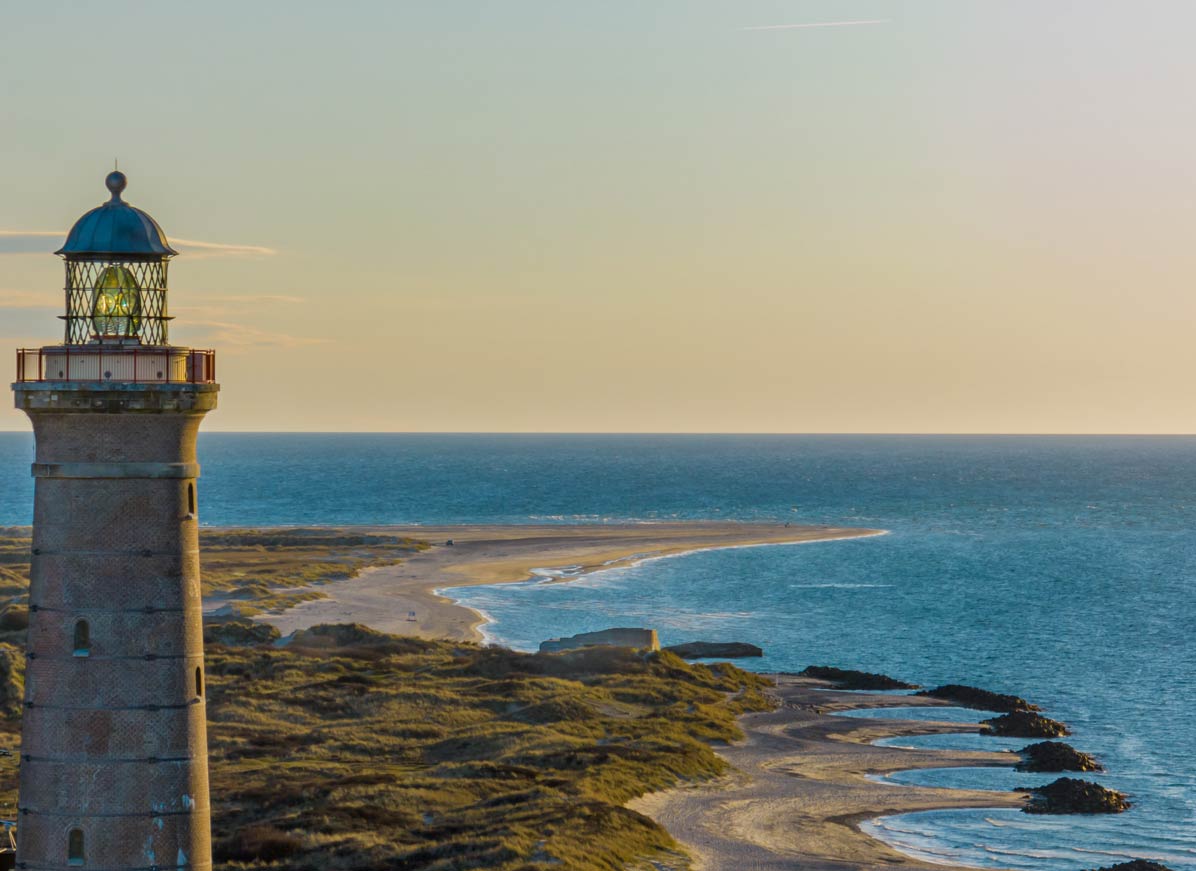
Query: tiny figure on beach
410, 616
448, 543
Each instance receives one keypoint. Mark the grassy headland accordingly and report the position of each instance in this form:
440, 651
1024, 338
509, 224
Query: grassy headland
249, 571
351, 749
380, 752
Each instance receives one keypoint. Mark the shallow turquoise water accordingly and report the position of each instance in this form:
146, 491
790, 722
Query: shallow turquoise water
1060, 569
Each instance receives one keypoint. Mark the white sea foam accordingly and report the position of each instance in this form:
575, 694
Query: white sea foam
838, 586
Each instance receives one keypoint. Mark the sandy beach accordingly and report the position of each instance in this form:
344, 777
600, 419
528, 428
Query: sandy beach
384, 597
799, 789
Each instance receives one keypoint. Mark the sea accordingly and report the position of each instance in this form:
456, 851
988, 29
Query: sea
1061, 569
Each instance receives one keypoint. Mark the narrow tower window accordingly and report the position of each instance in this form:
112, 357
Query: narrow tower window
82, 640
199, 681
74, 847
191, 499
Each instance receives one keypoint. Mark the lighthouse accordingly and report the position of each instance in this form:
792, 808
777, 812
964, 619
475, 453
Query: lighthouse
114, 760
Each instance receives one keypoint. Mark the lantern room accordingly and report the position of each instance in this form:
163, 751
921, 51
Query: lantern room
116, 258
117, 321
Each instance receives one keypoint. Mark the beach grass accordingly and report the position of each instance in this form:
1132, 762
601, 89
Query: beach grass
350, 749
403, 753
251, 571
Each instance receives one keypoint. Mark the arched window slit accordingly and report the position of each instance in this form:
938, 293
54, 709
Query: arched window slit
82, 638
74, 847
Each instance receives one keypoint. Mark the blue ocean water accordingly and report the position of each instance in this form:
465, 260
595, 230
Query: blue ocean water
1061, 569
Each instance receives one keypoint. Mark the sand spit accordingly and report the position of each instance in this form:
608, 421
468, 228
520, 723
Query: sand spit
800, 790
383, 598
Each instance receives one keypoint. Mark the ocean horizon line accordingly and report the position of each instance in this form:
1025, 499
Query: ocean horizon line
679, 433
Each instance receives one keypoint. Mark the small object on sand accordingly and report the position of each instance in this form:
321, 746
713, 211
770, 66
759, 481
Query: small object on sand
448, 543
410, 616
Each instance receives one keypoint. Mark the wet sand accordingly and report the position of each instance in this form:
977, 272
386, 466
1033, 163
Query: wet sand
384, 597
799, 790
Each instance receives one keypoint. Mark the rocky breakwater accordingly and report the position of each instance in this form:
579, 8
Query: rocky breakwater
1069, 795
1055, 756
849, 679
1023, 724
983, 700
635, 638
715, 650
1019, 718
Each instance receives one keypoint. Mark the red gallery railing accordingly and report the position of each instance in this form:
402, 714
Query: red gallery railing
145, 365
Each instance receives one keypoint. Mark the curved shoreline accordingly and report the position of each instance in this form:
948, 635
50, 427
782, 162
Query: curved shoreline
384, 596
800, 793
542, 574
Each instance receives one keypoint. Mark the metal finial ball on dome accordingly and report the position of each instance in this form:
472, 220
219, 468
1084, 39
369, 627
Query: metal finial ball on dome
116, 182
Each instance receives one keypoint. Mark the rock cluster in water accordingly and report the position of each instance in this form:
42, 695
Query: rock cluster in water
974, 697
847, 679
715, 649
1055, 756
1069, 795
1134, 865
1024, 724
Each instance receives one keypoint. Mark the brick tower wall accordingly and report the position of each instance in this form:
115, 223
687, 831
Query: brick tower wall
114, 735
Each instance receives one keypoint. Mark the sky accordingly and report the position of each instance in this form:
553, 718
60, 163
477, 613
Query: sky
945, 216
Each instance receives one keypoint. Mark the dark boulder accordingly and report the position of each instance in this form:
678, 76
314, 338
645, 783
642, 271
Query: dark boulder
1068, 795
1055, 756
1024, 724
239, 633
974, 697
715, 650
847, 679
1134, 865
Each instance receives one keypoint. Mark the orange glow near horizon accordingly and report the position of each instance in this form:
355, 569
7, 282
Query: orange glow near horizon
695, 216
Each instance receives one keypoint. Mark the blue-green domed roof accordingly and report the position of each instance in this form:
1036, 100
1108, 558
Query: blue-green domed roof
116, 229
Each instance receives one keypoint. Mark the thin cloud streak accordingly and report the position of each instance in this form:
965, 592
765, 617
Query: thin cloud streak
219, 249
239, 336
860, 23
38, 242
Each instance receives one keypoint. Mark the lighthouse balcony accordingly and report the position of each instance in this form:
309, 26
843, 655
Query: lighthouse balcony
99, 364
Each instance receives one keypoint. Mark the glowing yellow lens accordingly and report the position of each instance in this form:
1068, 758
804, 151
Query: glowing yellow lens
116, 306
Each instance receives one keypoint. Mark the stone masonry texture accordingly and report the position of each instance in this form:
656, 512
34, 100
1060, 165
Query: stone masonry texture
114, 734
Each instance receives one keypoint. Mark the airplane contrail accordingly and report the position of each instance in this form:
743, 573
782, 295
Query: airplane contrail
818, 24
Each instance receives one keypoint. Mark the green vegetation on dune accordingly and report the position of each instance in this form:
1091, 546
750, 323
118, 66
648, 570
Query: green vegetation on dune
349, 750
399, 753
253, 570
258, 571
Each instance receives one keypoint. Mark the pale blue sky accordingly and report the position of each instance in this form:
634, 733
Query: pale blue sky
634, 215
